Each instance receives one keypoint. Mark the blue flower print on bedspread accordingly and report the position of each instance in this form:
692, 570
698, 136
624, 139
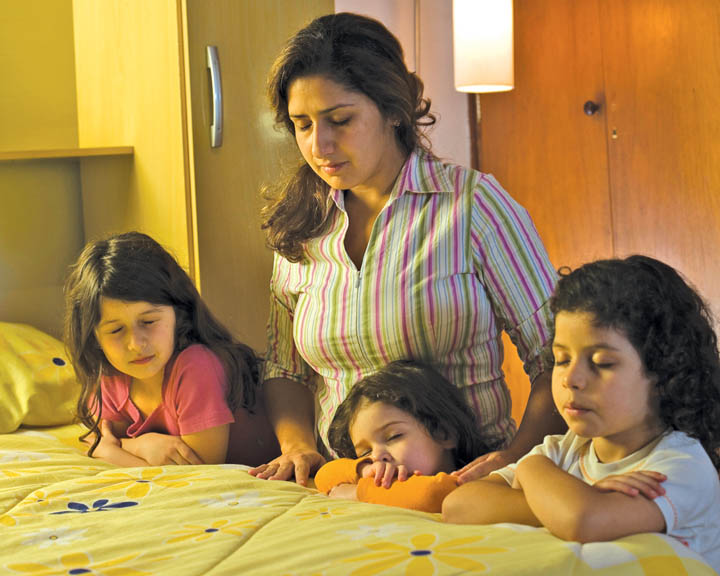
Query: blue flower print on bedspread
97, 506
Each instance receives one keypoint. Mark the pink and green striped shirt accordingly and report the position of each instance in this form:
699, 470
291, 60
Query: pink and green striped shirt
452, 261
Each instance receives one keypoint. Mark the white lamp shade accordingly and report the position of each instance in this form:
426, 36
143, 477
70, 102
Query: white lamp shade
483, 45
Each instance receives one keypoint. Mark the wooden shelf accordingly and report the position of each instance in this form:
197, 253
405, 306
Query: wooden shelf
66, 153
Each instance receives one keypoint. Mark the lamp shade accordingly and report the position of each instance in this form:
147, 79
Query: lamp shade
483, 45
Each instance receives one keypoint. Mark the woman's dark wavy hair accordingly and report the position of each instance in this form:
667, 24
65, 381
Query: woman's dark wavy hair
363, 56
133, 267
424, 394
669, 325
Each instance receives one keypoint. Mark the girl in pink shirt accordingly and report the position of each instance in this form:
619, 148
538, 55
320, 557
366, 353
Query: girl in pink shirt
163, 382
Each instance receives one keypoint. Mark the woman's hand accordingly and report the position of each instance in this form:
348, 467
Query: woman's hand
483, 465
639, 482
300, 462
347, 491
161, 449
291, 409
383, 472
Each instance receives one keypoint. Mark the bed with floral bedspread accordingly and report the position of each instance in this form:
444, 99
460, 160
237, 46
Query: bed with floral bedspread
64, 513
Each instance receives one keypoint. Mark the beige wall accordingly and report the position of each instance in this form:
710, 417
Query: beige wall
41, 228
40, 235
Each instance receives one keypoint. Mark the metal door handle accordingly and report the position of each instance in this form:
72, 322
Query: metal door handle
216, 126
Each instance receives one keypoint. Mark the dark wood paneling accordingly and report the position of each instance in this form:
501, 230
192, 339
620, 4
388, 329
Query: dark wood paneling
541, 146
662, 72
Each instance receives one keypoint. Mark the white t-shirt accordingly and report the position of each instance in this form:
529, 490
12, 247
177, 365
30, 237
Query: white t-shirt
691, 503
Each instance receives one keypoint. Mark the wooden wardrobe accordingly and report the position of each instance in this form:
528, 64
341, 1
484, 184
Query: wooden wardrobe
120, 91
611, 137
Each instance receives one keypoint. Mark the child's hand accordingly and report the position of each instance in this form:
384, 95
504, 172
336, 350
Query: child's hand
107, 440
161, 449
348, 491
107, 433
384, 473
643, 482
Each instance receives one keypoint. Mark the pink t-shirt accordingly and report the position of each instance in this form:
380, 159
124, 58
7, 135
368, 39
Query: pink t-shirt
194, 392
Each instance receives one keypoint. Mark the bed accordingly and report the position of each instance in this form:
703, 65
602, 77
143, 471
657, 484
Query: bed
64, 513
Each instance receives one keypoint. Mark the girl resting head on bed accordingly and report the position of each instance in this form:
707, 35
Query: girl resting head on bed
400, 431
163, 382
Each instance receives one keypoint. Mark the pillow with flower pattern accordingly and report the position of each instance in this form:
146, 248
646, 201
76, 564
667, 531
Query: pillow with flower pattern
37, 382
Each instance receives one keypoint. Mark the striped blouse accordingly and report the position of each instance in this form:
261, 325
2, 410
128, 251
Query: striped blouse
452, 261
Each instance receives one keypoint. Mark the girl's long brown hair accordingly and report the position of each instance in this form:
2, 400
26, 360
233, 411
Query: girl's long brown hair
363, 56
133, 267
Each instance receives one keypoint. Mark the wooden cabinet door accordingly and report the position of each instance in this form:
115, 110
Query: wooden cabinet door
662, 74
543, 148
234, 264
537, 140
641, 174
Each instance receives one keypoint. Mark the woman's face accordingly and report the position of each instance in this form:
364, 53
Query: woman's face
343, 136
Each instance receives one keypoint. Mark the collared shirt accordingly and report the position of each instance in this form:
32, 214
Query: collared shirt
452, 261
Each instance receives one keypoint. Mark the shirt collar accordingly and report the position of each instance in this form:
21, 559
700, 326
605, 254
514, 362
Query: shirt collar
422, 173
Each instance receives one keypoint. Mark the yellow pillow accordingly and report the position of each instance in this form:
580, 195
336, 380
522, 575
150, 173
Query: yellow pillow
37, 382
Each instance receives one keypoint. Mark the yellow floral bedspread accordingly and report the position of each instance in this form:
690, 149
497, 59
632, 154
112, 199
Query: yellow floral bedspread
64, 513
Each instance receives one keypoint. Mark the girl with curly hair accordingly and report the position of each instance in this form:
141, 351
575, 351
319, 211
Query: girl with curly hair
400, 432
637, 379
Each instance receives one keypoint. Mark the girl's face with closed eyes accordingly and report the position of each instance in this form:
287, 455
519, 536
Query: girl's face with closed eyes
343, 136
385, 433
600, 386
137, 338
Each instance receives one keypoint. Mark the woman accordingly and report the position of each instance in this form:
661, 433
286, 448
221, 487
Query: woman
383, 253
